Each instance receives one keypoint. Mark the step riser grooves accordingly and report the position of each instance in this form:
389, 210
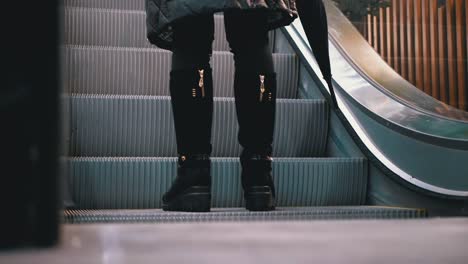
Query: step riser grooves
105, 183
143, 127
110, 4
118, 28
120, 71
100, 27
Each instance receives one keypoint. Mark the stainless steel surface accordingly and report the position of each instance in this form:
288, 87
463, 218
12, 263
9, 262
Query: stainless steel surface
142, 126
365, 59
396, 101
448, 128
360, 71
404, 241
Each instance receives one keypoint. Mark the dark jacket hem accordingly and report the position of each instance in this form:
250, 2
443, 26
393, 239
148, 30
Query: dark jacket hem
159, 30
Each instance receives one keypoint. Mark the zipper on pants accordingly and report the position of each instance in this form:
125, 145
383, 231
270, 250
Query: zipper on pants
262, 87
201, 84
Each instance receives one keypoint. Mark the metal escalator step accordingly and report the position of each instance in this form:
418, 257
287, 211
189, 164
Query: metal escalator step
137, 71
142, 126
110, 4
121, 28
239, 214
136, 183
105, 27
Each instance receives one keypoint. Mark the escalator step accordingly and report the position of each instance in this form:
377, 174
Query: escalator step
120, 28
136, 71
136, 183
110, 4
142, 126
238, 215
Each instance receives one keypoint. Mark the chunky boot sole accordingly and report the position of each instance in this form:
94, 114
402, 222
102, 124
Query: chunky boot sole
195, 199
259, 199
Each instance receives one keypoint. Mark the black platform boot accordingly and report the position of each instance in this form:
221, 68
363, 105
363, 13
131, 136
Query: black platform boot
192, 106
257, 182
255, 104
191, 190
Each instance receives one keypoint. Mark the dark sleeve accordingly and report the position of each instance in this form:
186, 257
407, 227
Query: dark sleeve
156, 20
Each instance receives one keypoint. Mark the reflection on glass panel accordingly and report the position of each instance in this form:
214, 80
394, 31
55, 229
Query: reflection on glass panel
425, 41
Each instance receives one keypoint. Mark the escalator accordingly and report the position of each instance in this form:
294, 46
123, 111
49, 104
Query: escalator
417, 145
121, 155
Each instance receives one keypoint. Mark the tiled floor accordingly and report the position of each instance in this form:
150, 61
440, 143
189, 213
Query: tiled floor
427, 241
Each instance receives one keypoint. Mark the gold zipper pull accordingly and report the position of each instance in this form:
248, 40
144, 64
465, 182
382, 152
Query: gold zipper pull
201, 83
262, 86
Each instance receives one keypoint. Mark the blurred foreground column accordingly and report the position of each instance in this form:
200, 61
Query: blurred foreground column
29, 124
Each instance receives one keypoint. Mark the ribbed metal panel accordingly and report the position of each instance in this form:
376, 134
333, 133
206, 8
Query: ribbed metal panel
237, 215
103, 27
142, 126
220, 41
104, 70
103, 183
139, 71
121, 28
110, 4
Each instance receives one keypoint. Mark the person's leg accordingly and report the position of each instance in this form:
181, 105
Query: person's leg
191, 89
191, 85
247, 34
255, 96
192, 43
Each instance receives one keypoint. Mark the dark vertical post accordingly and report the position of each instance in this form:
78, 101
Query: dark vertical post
426, 46
452, 51
396, 38
434, 43
390, 56
403, 40
460, 28
443, 55
410, 41
29, 114
418, 46
382, 34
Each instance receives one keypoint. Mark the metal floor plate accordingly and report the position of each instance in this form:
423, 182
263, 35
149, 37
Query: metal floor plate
240, 214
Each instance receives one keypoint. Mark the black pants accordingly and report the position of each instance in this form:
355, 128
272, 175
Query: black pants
246, 32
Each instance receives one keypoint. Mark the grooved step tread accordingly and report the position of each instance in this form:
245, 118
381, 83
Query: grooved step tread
142, 71
239, 214
143, 126
140, 182
122, 28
